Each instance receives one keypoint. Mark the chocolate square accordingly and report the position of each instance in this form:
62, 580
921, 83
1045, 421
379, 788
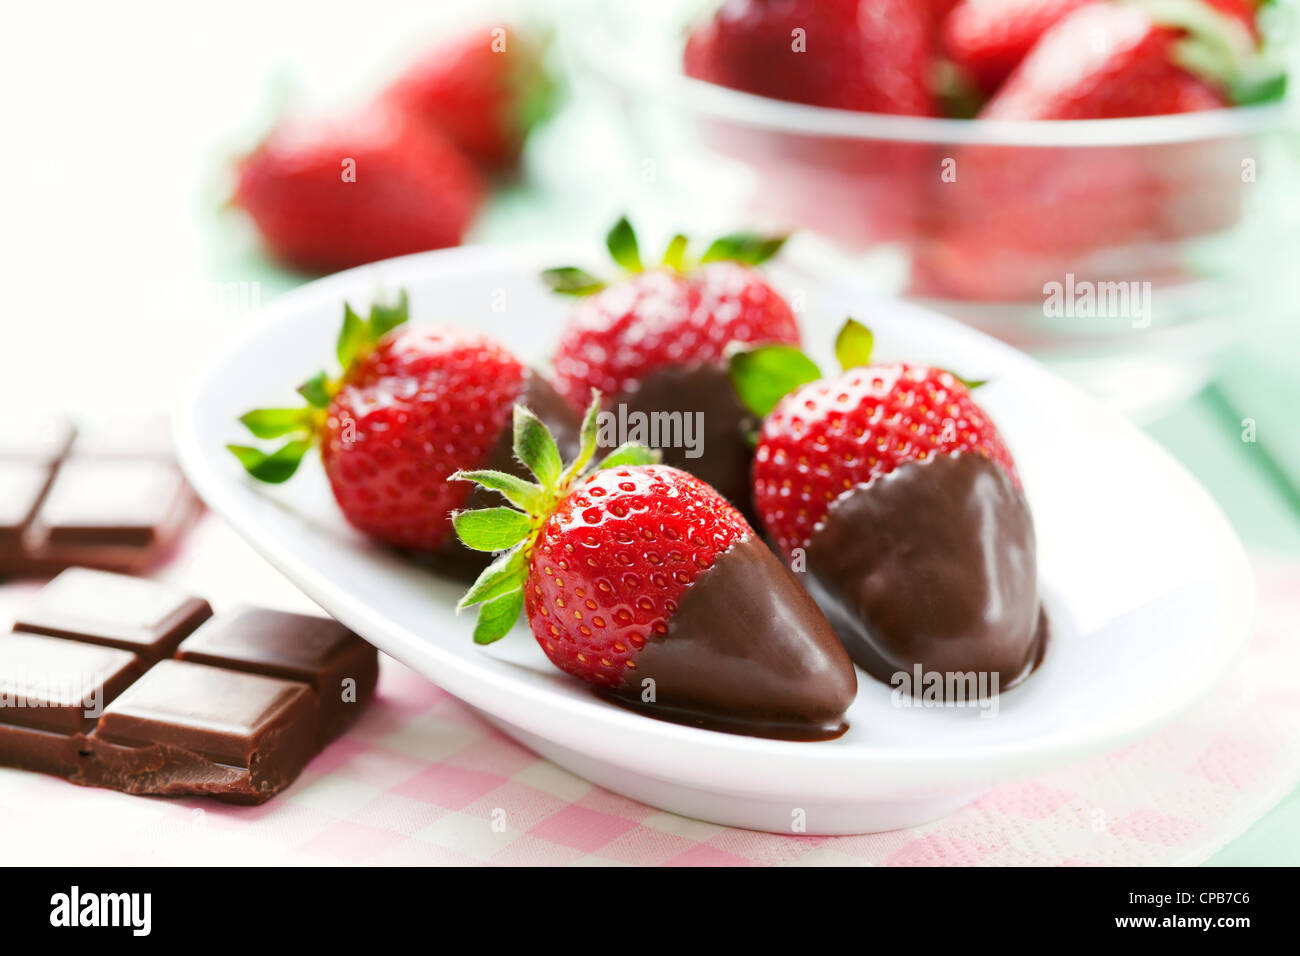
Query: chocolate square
190, 728
110, 503
303, 647
135, 614
51, 693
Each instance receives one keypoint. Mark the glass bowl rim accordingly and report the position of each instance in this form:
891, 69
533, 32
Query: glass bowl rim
604, 53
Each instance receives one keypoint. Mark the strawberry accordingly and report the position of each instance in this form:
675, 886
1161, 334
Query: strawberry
638, 579
986, 40
999, 235
484, 91
339, 193
410, 407
1109, 60
831, 435
895, 493
655, 340
871, 55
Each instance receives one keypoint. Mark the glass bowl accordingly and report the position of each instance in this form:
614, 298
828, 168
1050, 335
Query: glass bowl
1127, 252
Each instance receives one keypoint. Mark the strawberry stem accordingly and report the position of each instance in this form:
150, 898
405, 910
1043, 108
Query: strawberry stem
500, 587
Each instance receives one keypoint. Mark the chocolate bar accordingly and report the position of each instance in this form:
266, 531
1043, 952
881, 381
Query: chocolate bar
111, 497
125, 683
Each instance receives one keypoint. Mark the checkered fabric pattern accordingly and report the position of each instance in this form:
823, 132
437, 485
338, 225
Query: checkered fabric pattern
422, 780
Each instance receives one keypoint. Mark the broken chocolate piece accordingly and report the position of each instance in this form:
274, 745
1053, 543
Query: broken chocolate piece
188, 728
253, 698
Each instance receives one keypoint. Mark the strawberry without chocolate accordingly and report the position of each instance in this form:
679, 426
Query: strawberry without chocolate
411, 407
871, 55
987, 39
343, 192
484, 91
896, 494
639, 579
655, 340
1017, 217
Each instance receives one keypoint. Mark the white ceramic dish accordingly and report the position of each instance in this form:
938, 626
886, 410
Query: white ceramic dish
1148, 588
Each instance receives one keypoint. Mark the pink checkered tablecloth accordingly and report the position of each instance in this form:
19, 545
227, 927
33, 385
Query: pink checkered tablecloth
423, 780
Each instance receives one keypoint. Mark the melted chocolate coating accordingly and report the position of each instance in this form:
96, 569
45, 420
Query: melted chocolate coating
747, 652
455, 560
933, 563
726, 452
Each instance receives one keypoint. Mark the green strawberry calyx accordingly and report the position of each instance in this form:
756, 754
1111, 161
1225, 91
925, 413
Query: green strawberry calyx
746, 248
302, 424
1221, 49
763, 376
513, 531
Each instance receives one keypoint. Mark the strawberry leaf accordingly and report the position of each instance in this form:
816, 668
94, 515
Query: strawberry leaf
763, 376
622, 245
535, 447
570, 280
589, 434
491, 529
274, 422
748, 248
384, 317
629, 454
505, 574
276, 467
316, 390
522, 494
970, 383
675, 254
497, 616
353, 337
853, 345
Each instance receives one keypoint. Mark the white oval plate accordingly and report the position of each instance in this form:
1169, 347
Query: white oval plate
1148, 589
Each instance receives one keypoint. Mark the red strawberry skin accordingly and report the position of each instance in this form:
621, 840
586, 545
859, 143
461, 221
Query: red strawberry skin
873, 55
413, 190
833, 435
662, 318
422, 405
1104, 60
987, 40
613, 561
471, 90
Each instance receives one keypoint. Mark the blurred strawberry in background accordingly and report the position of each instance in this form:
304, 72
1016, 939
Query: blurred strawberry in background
867, 55
407, 172
871, 55
485, 91
1008, 215
331, 194
1016, 217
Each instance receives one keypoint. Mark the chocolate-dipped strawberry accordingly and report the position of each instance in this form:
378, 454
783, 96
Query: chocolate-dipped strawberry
639, 579
894, 493
410, 407
654, 343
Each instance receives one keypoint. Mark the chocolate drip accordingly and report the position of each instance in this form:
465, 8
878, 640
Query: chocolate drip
747, 652
726, 452
934, 564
